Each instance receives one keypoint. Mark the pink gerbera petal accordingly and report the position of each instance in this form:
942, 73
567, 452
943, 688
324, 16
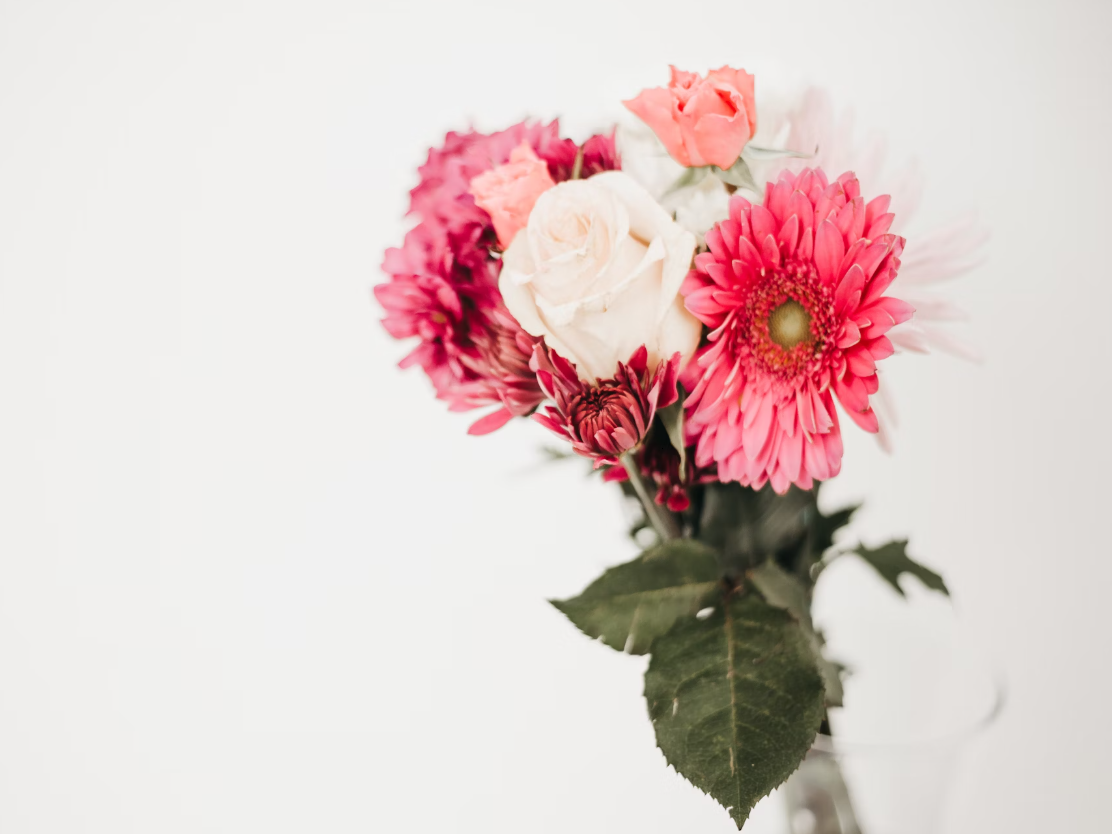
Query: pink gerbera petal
800, 318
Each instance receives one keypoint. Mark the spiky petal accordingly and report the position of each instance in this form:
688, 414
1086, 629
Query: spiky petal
605, 419
793, 292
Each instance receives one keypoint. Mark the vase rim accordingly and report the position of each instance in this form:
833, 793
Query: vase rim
839, 745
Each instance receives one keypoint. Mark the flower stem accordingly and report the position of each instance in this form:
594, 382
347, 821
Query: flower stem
577, 166
662, 521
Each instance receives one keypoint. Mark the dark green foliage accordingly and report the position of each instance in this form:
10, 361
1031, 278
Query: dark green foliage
632, 604
891, 561
750, 526
785, 590
736, 700
738, 684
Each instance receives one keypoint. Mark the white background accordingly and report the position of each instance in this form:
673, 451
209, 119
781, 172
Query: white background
254, 578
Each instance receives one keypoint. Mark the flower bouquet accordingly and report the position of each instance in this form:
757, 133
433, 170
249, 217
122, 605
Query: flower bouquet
697, 310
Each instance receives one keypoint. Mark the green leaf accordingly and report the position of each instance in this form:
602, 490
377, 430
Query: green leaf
825, 526
737, 175
822, 533
736, 700
672, 420
784, 590
632, 604
891, 561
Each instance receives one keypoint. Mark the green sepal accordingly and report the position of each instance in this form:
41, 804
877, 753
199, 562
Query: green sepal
737, 175
690, 177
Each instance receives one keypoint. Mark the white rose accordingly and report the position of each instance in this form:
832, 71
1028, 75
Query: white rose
597, 274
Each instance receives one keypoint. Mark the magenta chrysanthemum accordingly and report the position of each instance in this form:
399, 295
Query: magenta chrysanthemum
443, 286
605, 419
793, 293
472, 349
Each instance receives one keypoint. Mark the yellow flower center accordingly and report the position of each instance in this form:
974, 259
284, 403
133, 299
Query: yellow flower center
789, 324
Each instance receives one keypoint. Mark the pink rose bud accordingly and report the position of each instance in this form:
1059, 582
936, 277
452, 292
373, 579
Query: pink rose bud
701, 121
507, 193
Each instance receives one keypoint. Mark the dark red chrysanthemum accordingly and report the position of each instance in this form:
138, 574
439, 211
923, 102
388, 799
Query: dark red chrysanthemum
605, 419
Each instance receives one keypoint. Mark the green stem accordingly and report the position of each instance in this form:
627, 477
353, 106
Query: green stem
577, 166
662, 521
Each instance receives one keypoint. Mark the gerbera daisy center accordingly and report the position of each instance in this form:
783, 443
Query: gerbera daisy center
789, 324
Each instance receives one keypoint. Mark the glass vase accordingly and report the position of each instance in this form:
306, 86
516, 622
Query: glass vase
920, 696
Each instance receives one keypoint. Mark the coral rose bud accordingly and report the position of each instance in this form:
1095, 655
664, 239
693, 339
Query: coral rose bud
507, 192
701, 121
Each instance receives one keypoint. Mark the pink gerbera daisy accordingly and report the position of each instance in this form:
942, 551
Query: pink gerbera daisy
793, 293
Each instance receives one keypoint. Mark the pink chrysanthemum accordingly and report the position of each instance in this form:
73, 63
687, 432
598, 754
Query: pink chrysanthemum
793, 293
472, 349
444, 189
443, 286
605, 419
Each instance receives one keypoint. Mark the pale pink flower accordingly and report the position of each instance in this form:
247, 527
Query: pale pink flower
793, 293
507, 193
701, 121
604, 419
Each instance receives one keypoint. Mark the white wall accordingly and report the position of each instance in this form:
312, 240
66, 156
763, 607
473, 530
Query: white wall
254, 578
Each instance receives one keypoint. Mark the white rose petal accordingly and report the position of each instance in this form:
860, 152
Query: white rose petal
597, 274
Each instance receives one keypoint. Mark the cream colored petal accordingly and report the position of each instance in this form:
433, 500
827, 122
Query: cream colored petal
648, 220
679, 332
514, 284
605, 334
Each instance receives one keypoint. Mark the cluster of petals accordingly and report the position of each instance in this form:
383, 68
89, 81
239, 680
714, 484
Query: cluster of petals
443, 280
604, 419
793, 294
701, 121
